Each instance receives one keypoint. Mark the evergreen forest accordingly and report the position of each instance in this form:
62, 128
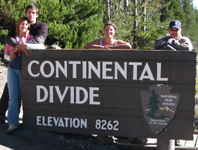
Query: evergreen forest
73, 23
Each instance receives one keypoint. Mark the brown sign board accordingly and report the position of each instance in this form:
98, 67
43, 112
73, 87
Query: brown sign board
130, 93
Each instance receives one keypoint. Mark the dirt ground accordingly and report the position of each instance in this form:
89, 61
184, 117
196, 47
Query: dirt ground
27, 139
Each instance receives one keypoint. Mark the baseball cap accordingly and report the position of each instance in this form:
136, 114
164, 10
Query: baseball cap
175, 24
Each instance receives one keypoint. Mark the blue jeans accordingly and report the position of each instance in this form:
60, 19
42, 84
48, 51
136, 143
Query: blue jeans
14, 88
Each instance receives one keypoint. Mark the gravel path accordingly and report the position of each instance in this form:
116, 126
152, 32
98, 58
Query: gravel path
3, 76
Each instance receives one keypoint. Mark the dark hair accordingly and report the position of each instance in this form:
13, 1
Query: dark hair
32, 6
18, 22
110, 24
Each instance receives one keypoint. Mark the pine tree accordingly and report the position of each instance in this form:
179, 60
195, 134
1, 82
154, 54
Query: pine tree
137, 23
153, 104
72, 23
189, 27
10, 12
195, 43
171, 10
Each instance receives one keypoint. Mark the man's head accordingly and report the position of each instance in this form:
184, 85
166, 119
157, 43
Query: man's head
31, 13
175, 29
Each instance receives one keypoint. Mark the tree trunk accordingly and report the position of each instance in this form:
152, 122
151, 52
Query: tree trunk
144, 15
135, 25
108, 10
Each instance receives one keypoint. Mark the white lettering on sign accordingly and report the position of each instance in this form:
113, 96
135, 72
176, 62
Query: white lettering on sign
60, 67
118, 68
168, 100
168, 104
146, 73
91, 68
47, 63
107, 125
169, 96
158, 121
159, 72
106, 70
135, 64
74, 92
61, 122
74, 67
30, 68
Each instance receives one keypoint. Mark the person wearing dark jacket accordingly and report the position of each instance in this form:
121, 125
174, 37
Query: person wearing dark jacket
175, 40
39, 31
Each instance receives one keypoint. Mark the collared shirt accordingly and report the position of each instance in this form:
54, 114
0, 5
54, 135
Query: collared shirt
16, 63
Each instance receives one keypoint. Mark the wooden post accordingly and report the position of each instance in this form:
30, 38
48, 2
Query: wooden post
165, 144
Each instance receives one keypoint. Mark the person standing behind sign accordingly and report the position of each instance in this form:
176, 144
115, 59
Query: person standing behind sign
175, 41
13, 55
39, 31
108, 42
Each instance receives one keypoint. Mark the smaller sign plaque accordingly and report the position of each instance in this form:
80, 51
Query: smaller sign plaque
159, 106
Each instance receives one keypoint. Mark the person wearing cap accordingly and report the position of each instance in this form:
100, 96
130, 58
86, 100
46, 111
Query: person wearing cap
175, 41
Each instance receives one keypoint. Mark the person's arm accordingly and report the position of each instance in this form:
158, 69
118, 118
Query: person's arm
40, 34
10, 38
35, 46
12, 53
183, 44
122, 45
160, 43
7, 57
9, 52
27, 48
95, 45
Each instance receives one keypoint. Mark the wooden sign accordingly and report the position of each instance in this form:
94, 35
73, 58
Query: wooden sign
131, 93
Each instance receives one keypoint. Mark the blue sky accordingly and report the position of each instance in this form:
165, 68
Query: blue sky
195, 2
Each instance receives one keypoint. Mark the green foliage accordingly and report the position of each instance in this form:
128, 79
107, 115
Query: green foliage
189, 21
124, 18
2, 48
171, 10
72, 23
3, 33
184, 11
11, 11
